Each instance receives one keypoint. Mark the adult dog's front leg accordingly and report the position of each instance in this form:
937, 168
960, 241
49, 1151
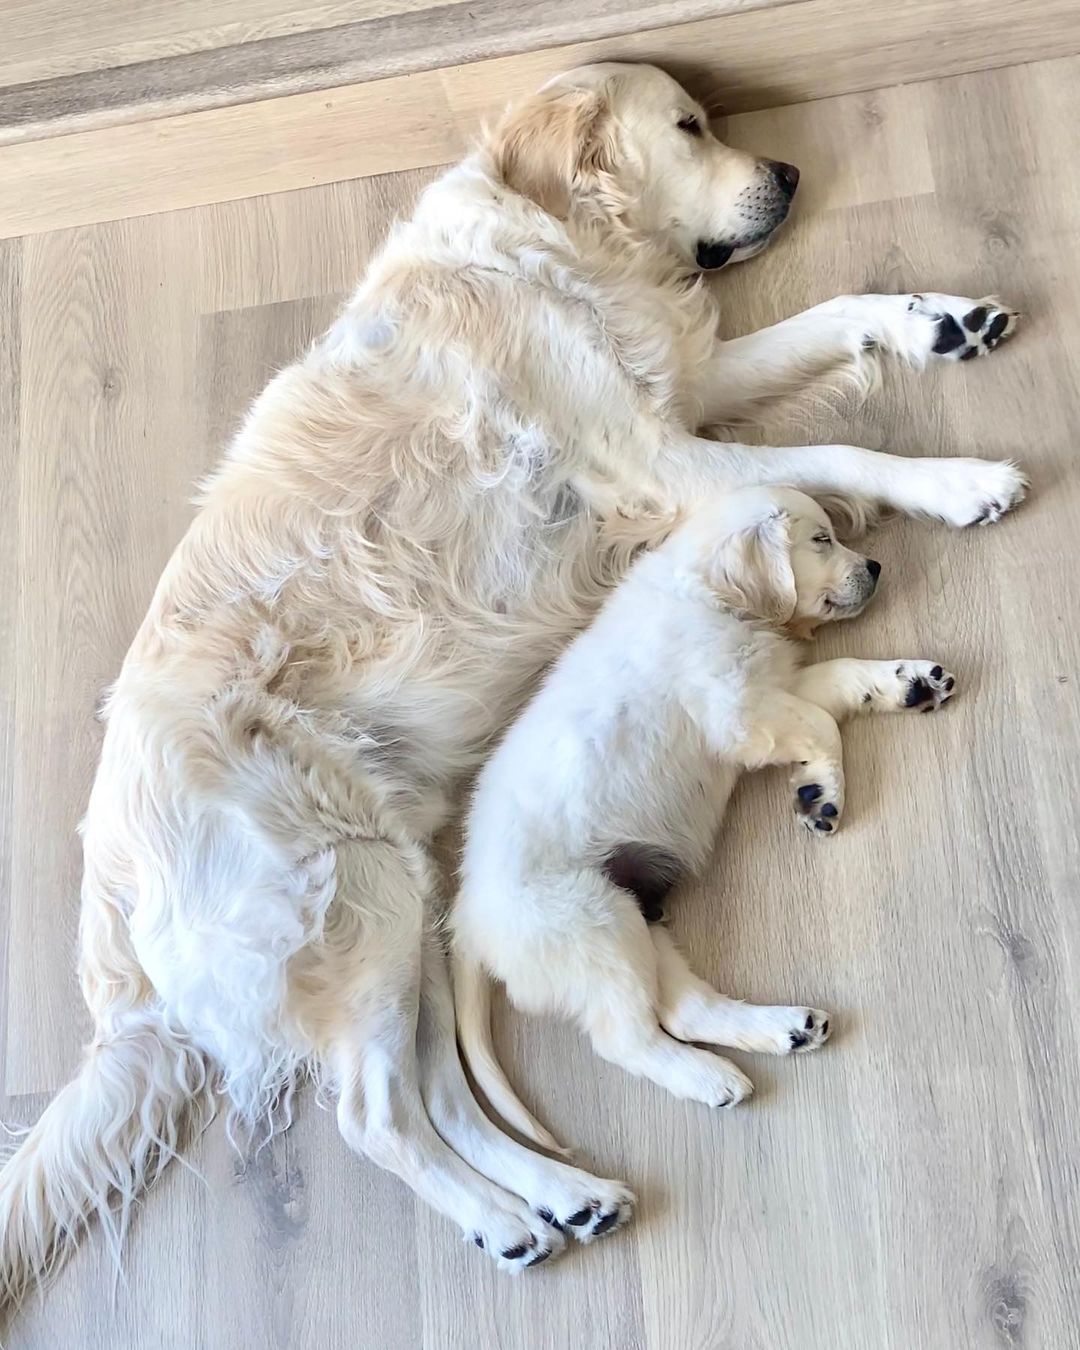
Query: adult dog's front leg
958, 491
745, 372
849, 686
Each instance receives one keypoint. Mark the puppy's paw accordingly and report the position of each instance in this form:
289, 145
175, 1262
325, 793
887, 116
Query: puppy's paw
782, 1031
924, 686
963, 329
729, 1085
813, 1030
910, 686
819, 797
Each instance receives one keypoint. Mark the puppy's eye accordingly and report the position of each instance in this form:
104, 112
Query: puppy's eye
823, 538
690, 125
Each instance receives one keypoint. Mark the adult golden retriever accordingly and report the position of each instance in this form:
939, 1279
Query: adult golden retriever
413, 521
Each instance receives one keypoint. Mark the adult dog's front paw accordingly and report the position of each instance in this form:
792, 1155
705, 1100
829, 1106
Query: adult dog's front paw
976, 491
960, 329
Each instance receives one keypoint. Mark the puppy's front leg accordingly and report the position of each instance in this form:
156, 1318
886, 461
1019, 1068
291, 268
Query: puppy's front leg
787, 729
848, 686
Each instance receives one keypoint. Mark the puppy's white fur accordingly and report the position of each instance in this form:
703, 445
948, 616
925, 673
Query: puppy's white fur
629, 752
412, 522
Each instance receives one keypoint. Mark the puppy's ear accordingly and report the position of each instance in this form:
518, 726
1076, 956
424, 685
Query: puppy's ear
751, 571
555, 143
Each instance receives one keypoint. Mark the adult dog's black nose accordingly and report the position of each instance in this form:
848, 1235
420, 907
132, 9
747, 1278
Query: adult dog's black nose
874, 568
786, 176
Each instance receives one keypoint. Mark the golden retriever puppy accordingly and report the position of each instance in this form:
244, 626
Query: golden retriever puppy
412, 522
610, 785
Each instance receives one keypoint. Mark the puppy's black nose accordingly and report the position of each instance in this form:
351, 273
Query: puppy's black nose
786, 177
874, 568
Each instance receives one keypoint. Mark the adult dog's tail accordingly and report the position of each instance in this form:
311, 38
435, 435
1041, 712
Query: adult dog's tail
472, 1004
106, 1135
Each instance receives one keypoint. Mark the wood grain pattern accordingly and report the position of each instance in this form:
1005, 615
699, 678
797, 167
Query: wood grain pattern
45, 38
312, 47
915, 1184
763, 58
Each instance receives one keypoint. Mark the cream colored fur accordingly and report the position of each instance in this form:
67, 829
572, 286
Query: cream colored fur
611, 783
413, 521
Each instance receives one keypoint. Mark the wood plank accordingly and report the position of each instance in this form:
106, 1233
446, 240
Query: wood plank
219, 156
767, 59
48, 38
10, 398
104, 482
132, 84
804, 51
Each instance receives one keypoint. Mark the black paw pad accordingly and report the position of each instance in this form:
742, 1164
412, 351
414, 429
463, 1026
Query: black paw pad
809, 792
809, 1023
514, 1253
918, 692
936, 673
605, 1222
969, 353
949, 336
829, 810
538, 1260
798, 1040
990, 511
825, 1027
824, 825
581, 1217
974, 320
950, 685
997, 327
478, 1240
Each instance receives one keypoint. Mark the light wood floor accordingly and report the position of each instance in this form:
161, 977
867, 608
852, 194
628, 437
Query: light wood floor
914, 1185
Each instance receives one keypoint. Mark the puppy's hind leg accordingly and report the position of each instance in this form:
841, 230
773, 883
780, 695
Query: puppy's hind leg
692, 1010
618, 1008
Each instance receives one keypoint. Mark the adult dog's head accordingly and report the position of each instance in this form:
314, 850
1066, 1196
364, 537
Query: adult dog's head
770, 554
628, 142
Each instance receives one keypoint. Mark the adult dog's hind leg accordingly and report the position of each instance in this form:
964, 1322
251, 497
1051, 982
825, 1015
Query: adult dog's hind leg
373, 949
692, 1010
567, 1196
844, 332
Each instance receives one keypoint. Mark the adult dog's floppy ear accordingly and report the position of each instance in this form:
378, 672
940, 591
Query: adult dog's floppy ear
750, 572
557, 142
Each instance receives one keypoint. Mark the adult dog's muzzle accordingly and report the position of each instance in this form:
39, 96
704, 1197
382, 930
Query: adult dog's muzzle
763, 208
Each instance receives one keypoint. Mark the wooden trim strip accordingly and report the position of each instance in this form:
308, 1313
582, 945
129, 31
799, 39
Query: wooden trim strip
325, 58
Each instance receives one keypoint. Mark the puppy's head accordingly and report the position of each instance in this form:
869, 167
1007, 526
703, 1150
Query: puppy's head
770, 554
629, 142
